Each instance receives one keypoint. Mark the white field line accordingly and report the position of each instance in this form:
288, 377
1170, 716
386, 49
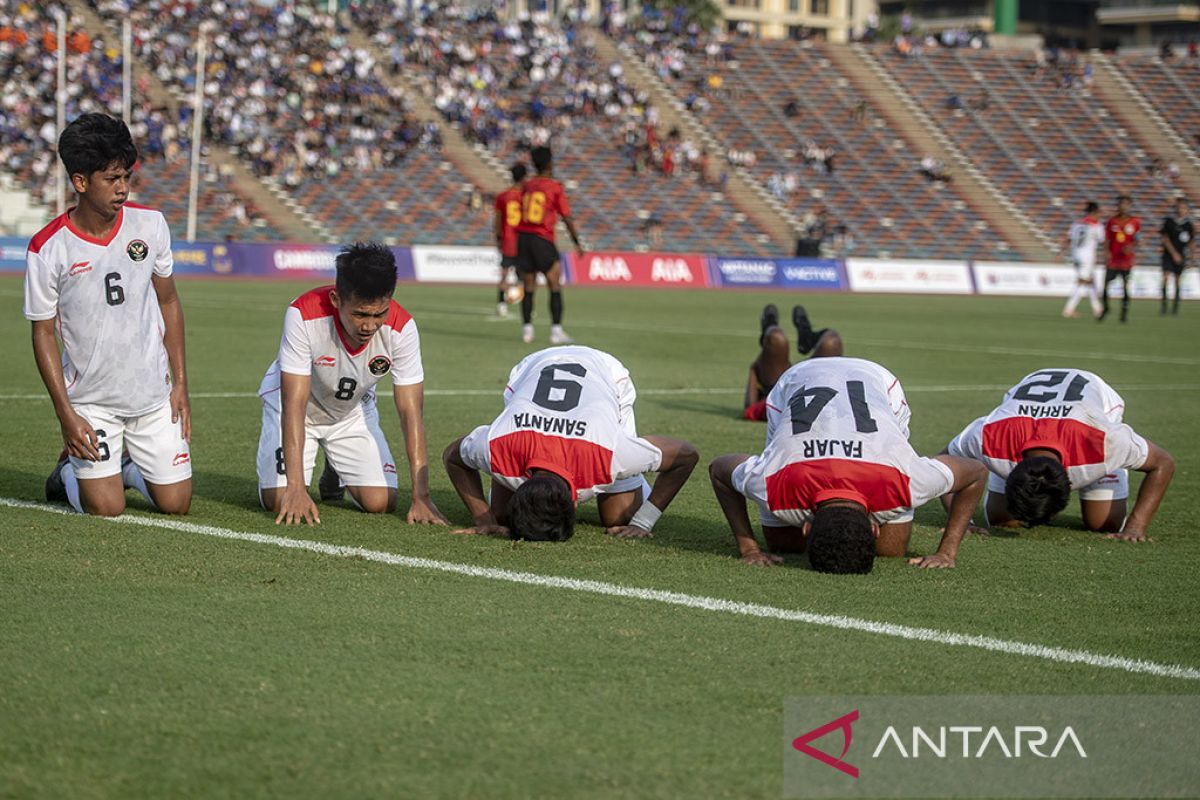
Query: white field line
931, 635
692, 391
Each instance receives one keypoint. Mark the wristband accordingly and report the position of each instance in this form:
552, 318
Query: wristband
645, 517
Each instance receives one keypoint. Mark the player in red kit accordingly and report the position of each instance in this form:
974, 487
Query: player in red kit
543, 201
1121, 233
508, 217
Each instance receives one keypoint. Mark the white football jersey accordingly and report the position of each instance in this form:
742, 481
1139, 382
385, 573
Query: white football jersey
1073, 412
108, 316
1085, 235
837, 428
341, 376
568, 410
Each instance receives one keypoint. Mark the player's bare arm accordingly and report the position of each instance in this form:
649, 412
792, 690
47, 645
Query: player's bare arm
79, 437
173, 341
1159, 468
753, 395
469, 485
679, 458
948, 502
294, 505
733, 505
570, 223
970, 479
410, 401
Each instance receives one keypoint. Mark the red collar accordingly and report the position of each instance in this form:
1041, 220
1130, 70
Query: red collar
1042, 444
840, 494
557, 469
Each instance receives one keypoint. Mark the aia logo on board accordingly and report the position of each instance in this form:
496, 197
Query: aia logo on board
79, 267
137, 250
670, 270
612, 268
324, 361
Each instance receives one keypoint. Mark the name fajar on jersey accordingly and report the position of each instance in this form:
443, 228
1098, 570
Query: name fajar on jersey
837, 428
568, 410
342, 377
108, 315
1070, 411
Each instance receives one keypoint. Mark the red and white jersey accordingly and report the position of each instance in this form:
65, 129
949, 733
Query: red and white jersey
1070, 411
568, 410
837, 428
342, 377
1085, 235
108, 316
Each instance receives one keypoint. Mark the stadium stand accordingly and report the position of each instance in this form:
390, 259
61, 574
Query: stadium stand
28, 48
510, 86
1035, 129
783, 110
1172, 86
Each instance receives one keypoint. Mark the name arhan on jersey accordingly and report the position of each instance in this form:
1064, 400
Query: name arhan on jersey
832, 448
561, 425
1044, 412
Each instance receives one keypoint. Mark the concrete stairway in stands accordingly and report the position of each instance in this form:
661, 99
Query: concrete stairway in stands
273, 202
474, 164
871, 79
1117, 92
746, 194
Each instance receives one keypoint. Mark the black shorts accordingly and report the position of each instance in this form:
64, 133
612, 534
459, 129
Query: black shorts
507, 262
1113, 274
535, 254
1169, 265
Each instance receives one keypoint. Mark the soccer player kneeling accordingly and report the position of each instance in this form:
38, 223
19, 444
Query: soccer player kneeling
838, 476
1057, 431
338, 342
566, 434
102, 274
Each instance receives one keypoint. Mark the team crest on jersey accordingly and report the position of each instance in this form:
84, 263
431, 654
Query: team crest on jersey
137, 250
379, 365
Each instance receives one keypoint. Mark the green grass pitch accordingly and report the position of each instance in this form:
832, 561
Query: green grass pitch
142, 662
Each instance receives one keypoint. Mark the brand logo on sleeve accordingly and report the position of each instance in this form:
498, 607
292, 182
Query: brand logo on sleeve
137, 250
79, 267
324, 361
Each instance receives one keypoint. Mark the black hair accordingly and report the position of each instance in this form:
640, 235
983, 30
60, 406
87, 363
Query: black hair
1121, 197
94, 142
365, 270
542, 510
518, 172
841, 540
1092, 207
540, 156
1037, 489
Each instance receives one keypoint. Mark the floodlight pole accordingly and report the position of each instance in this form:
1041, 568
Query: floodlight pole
127, 71
60, 118
197, 128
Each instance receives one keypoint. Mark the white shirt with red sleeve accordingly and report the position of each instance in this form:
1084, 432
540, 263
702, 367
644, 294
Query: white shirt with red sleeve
1070, 411
342, 377
838, 430
568, 410
101, 293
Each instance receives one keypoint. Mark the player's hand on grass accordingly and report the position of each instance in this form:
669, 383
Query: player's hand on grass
296, 507
1129, 536
181, 409
80, 438
484, 530
761, 559
424, 512
628, 532
935, 561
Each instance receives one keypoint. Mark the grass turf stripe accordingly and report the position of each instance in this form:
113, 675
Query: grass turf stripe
1057, 654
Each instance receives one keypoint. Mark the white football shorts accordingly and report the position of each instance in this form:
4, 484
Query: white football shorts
355, 446
155, 444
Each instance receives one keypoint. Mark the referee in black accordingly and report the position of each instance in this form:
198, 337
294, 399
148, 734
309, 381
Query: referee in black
1178, 233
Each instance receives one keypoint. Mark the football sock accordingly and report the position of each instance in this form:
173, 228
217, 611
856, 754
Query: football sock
527, 308
556, 308
71, 484
1073, 300
131, 478
770, 316
1094, 298
499, 295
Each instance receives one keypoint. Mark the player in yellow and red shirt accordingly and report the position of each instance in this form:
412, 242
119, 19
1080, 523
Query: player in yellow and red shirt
1121, 233
543, 201
508, 217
